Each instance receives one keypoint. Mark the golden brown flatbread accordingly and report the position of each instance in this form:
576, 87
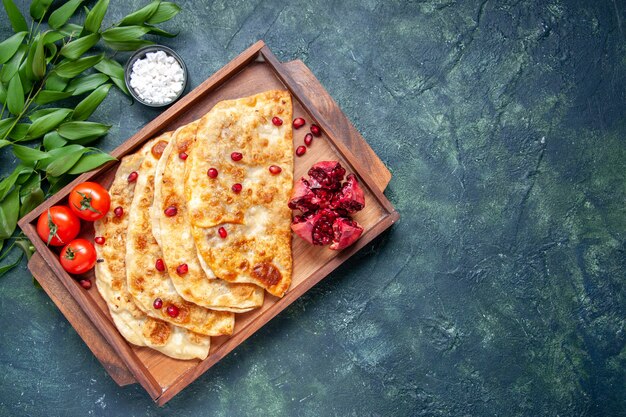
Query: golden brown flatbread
256, 247
145, 282
133, 324
176, 242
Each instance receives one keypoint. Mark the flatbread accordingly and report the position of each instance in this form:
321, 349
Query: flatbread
133, 324
177, 243
258, 246
145, 282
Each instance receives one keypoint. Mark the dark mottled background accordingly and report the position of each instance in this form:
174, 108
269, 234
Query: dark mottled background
501, 290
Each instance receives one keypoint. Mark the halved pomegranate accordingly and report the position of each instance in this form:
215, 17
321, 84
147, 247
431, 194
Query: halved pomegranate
351, 197
316, 228
326, 204
327, 174
302, 198
345, 232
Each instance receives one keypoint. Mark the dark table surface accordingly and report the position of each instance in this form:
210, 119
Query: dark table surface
500, 291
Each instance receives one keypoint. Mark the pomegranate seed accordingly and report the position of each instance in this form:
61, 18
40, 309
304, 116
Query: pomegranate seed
300, 150
85, 283
171, 211
277, 121
158, 303
212, 173
182, 155
237, 188
298, 123
119, 211
132, 177
182, 269
308, 139
99, 240
223, 233
159, 265
172, 311
275, 169
315, 129
236, 156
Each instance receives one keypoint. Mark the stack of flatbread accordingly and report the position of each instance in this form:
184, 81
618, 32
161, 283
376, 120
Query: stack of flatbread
189, 250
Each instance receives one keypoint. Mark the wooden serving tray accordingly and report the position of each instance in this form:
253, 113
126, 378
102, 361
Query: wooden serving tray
254, 71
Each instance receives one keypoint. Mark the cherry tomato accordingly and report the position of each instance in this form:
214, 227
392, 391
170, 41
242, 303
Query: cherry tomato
58, 226
89, 201
78, 257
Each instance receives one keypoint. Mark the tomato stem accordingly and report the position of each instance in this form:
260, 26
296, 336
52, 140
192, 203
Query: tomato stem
53, 229
69, 254
85, 203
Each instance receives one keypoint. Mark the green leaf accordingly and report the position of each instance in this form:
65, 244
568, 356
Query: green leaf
47, 96
10, 68
7, 183
88, 105
71, 30
141, 15
26, 69
9, 47
114, 70
160, 32
50, 51
111, 68
63, 13
71, 69
5, 125
57, 153
4, 142
77, 48
15, 95
42, 112
124, 33
18, 132
30, 182
28, 155
87, 83
9, 210
6, 268
38, 8
121, 84
46, 123
95, 16
81, 130
129, 45
51, 36
165, 12
3, 94
53, 140
26, 246
54, 82
31, 200
63, 164
39, 60
56, 183
15, 16
89, 162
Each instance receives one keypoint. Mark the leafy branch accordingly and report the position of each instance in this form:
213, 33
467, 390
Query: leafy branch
38, 69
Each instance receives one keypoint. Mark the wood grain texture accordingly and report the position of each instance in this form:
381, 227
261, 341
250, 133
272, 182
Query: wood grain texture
253, 71
79, 321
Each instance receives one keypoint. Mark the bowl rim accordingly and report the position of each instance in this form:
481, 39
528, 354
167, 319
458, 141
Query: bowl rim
141, 53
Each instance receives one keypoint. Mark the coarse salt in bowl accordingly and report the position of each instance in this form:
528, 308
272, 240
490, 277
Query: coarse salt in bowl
156, 76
